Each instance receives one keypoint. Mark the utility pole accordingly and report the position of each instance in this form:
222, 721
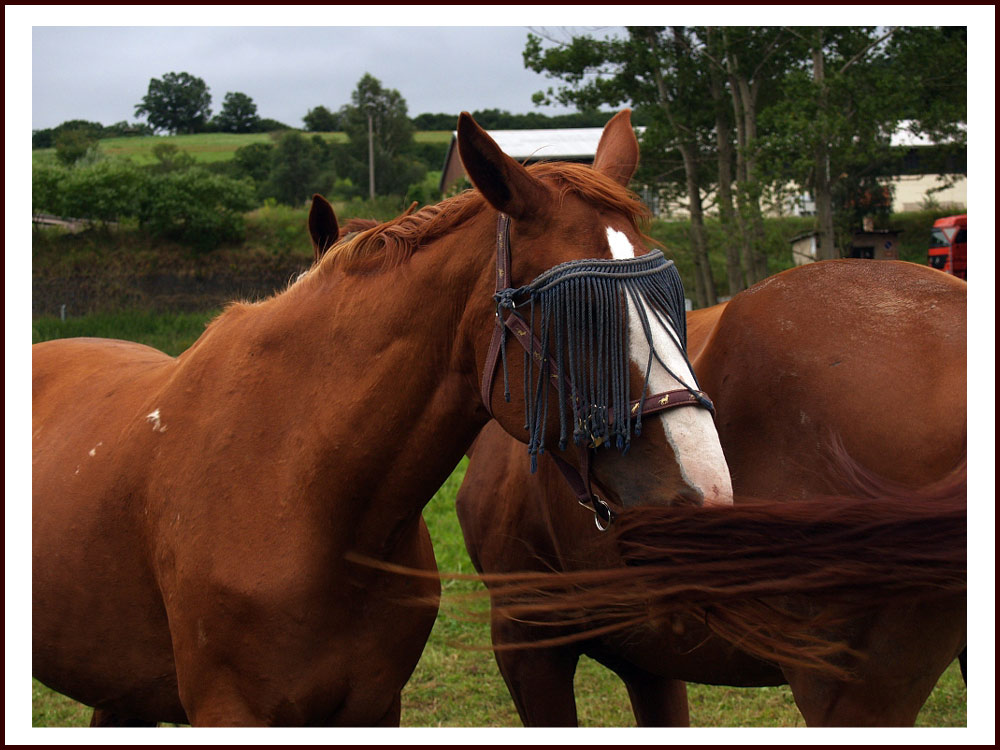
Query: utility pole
370, 106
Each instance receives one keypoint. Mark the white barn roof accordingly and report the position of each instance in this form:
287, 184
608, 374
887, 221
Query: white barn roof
548, 144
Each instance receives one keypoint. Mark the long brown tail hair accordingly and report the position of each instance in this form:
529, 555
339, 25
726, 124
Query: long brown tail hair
775, 579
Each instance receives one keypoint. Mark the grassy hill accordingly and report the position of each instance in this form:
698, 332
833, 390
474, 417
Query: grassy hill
211, 147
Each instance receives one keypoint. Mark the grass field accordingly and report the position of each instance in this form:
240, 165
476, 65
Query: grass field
212, 147
456, 683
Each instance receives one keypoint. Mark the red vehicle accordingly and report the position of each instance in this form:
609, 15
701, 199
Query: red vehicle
947, 250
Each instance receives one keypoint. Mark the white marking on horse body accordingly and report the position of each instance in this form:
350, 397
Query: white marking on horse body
689, 430
154, 417
93, 451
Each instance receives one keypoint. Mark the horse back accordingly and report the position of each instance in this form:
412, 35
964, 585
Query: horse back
870, 355
700, 325
85, 392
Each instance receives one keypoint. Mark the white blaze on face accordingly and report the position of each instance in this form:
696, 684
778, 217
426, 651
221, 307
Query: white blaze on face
690, 430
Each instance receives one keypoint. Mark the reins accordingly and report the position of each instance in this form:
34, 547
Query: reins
633, 277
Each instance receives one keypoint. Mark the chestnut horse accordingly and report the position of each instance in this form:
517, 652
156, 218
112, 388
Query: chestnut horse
867, 356
194, 518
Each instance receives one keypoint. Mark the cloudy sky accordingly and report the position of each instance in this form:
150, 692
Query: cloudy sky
100, 73
97, 62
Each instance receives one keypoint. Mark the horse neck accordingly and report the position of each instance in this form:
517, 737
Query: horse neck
375, 373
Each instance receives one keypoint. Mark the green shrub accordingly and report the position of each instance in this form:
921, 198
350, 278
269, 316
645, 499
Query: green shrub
170, 158
382, 208
72, 145
427, 191
46, 187
194, 206
279, 229
105, 191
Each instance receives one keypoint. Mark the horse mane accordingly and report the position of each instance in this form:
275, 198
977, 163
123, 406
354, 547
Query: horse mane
390, 244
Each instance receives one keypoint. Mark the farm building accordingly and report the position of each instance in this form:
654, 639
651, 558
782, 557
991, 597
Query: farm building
925, 172
874, 244
805, 248
529, 146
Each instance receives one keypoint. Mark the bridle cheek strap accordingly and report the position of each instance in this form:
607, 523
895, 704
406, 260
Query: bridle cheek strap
507, 319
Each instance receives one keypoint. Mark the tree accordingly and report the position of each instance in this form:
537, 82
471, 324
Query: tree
837, 112
254, 161
177, 103
933, 63
300, 166
238, 115
170, 158
269, 125
652, 70
751, 60
320, 120
831, 128
47, 138
72, 145
725, 162
391, 133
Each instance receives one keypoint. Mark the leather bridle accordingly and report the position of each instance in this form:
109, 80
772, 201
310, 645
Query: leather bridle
508, 319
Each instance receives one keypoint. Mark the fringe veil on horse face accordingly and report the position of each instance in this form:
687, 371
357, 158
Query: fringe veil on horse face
579, 312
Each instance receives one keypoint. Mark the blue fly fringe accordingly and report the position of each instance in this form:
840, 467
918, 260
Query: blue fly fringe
580, 312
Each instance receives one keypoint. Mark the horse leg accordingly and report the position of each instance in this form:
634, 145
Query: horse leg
540, 680
541, 683
102, 718
656, 701
869, 702
961, 663
393, 714
907, 648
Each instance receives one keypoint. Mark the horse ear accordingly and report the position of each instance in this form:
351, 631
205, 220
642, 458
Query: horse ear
618, 151
323, 227
504, 183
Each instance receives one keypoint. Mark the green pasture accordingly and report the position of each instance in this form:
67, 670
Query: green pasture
456, 683
212, 147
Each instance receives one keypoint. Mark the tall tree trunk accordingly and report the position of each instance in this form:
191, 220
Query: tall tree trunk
704, 285
754, 217
747, 202
724, 150
821, 183
741, 181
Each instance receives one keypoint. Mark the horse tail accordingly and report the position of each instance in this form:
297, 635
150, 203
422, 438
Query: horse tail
776, 579
853, 479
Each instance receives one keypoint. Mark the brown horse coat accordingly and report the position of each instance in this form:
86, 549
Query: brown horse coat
872, 354
192, 518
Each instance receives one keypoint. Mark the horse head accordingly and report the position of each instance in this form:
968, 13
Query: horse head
576, 232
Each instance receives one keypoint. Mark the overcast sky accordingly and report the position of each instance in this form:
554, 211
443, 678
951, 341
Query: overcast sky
97, 63
101, 73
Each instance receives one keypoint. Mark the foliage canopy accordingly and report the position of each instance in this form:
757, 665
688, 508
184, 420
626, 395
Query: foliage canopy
177, 103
